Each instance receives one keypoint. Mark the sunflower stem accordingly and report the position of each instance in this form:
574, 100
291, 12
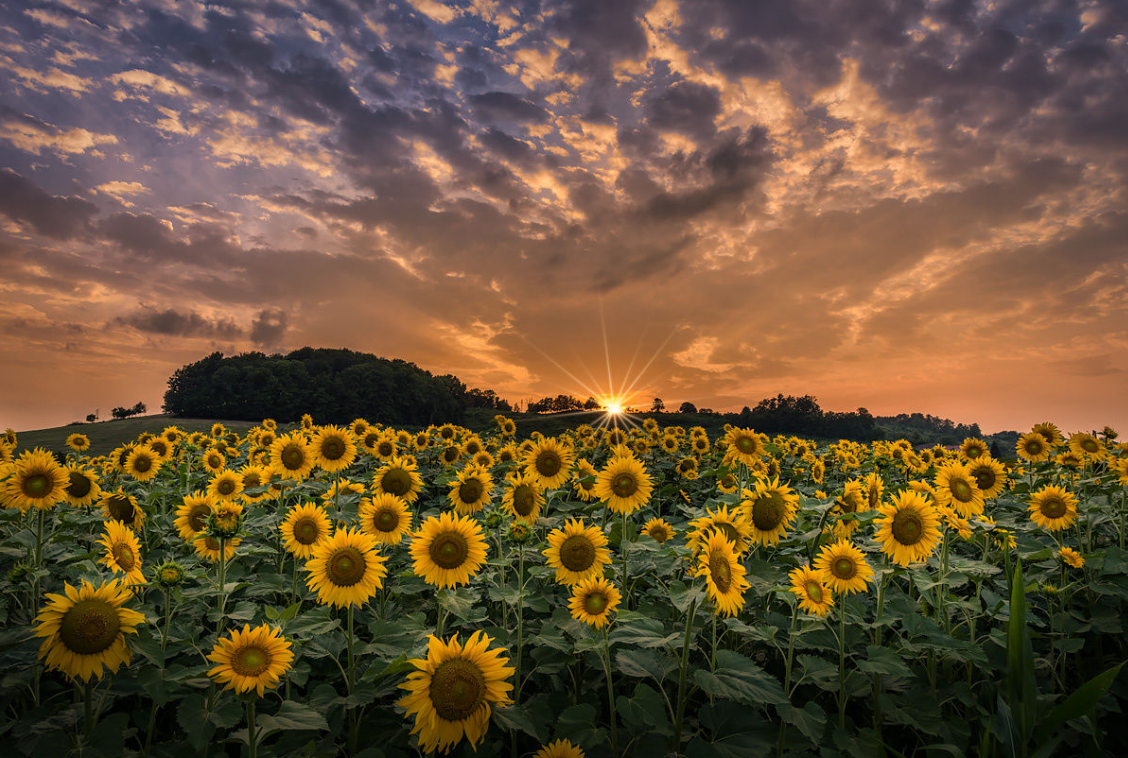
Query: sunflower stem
222, 586
623, 548
683, 665
520, 617
786, 674
252, 741
88, 707
605, 659
842, 662
349, 678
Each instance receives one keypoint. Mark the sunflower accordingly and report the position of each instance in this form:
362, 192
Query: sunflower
560, 748
1033, 447
37, 481
118, 506
854, 499
658, 529
584, 480
254, 477
1049, 432
292, 457
385, 517
345, 569
734, 525
334, 448
577, 552
85, 628
814, 596
523, 499
623, 484
78, 442
1053, 508
192, 515
471, 490
873, 485
990, 475
207, 547
843, 567
251, 659
421, 441
1085, 444
770, 509
973, 447
452, 690
399, 477
123, 552
724, 574
448, 550
549, 462
957, 488
744, 445
908, 528
214, 461
304, 527
593, 600
1071, 557
82, 488
225, 486
687, 468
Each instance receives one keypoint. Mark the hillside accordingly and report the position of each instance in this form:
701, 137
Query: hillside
106, 435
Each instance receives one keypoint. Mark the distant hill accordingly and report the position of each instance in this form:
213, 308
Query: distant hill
106, 435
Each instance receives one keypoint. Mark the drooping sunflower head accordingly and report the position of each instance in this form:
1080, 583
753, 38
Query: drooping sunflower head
346, 569
658, 529
84, 629
448, 550
292, 457
251, 659
82, 486
37, 481
624, 484
593, 601
549, 462
577, 552
1053, 508
770, 509
523, 498
452, 691
207, 547
909, 528
724, 575
735, 526
399, 477
385, 517
814, 596
843, 567
303, 528
119, 506
123, 552
335, 448
1071, 557
471, 490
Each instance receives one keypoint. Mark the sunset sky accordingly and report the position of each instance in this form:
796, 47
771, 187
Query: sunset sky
921, 208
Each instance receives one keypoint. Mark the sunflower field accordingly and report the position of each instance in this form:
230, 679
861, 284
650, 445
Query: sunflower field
306, 590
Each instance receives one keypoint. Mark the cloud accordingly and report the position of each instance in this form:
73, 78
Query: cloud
50, 215
34, 136
268, 327
171, 322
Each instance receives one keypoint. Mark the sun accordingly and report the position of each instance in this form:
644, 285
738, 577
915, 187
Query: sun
614, 409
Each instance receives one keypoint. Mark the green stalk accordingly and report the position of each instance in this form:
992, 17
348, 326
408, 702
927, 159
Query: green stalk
787, 675
623, 548
520, 617
252, 740
842, 662
349, 681
684, 664
605, 659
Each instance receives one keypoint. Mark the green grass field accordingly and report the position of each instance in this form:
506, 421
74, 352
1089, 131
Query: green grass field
106, 435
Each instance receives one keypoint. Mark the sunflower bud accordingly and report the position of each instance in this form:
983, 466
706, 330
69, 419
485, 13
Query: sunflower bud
493, 521
168, 575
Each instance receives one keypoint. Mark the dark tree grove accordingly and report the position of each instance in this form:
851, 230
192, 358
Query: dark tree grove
334, 386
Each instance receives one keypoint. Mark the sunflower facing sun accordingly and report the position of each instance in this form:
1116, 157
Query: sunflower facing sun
448, 550
623, 484
85, 628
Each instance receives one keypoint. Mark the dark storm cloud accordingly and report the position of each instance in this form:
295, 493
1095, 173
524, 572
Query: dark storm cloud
173, 323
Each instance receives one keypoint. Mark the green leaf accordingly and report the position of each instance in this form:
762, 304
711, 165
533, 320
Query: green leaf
645, 711
577, 724
1078, 704
635, 629
644, 663
1022, 693
292, 716
810, 719
738, 678
517, 718
882, 660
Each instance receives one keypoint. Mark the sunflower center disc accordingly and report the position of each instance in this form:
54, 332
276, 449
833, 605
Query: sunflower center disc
470, 491
720, 571
548, 463
79, 486
745, 444
292, 458
848, 503
907, 527
1053, 507
89, 627
457, 689
658, 533
1033, 447
730, 532
984, 478
122, 509
397, 482
814, 591
1089, 446
250, 661
345, 567
962, 490
226, 487
123, 554
524, 500
768, 512
449, 550
386, 521
595, 603
624, 485
142, 464
305, 531
844, 568
37, 485
332, 449
577, 553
